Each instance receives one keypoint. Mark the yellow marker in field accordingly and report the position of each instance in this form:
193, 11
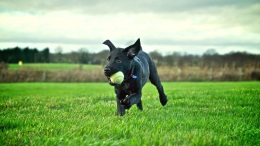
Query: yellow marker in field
20, 63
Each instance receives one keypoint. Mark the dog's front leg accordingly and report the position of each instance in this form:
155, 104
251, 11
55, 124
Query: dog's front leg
132, 99
120, 107
120, 95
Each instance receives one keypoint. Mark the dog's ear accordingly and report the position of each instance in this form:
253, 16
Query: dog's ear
110, 45
133, 50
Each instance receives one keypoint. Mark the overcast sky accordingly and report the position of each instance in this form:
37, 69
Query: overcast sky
163, 25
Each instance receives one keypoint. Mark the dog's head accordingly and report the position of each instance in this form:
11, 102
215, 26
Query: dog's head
120, 59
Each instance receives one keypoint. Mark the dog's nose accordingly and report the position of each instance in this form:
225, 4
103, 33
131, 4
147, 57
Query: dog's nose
107, 70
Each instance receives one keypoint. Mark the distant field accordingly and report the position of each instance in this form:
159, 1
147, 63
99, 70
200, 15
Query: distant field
206, 113
52, 72
54, 66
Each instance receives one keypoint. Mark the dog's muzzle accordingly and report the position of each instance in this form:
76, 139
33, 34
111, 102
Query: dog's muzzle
107, 72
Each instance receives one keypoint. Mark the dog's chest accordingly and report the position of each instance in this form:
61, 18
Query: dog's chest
129, 88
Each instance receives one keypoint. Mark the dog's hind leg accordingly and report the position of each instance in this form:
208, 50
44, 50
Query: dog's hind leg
155, 80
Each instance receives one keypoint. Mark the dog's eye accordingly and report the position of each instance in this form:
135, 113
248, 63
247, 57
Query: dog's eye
108, 58
118, 61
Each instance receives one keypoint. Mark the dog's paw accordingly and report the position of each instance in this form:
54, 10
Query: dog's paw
163, 100
126, 103
120, 113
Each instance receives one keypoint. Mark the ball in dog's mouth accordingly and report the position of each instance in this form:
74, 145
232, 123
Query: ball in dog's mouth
116, 78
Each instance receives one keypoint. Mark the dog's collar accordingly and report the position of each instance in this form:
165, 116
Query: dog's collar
131, 74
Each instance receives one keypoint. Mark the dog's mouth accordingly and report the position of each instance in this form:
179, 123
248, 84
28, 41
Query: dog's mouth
110, 82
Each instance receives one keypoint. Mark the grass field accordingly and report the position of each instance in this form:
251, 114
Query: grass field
223, 113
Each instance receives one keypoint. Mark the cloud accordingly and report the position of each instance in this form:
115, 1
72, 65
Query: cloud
170, 24
115, 6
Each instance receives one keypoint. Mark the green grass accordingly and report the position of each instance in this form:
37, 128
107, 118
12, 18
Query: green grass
53, 66
224, 113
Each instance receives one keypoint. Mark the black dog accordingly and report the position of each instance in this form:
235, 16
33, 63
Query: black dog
137, 67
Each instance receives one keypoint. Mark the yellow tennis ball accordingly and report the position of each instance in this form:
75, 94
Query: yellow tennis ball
117, 78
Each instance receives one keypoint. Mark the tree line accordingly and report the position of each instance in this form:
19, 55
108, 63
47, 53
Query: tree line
14, 55
33, 55
210, 59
